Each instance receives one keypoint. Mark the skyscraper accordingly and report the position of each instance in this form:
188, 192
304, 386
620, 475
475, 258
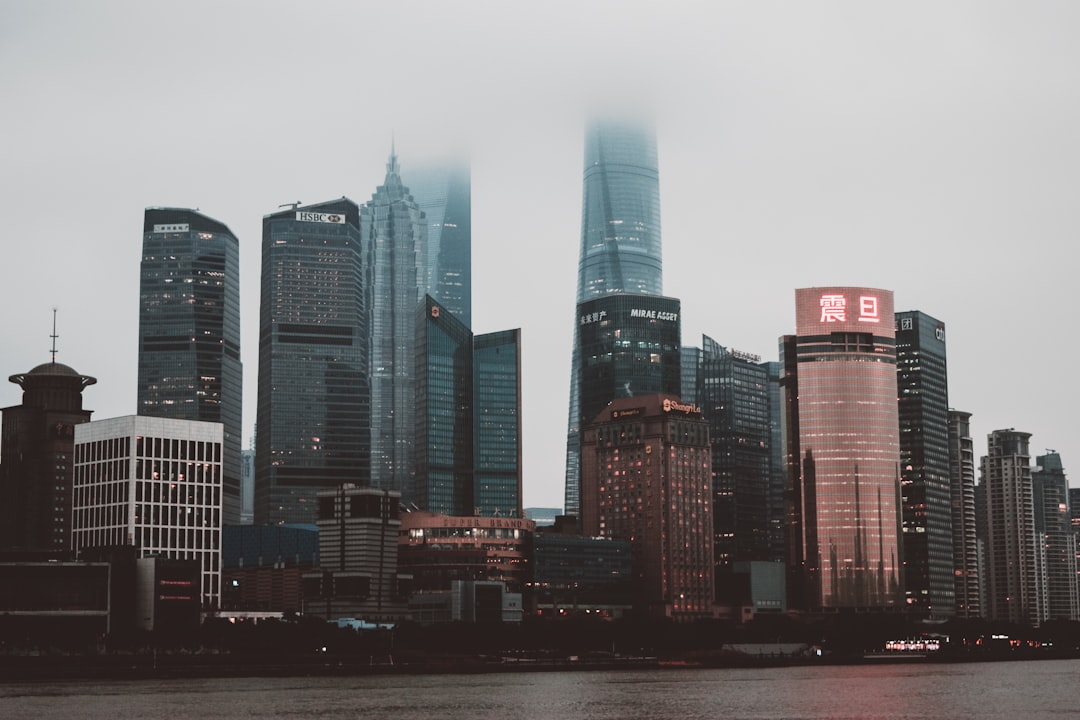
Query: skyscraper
189, 329
497, 422
395, 231
967, 578
1008, 507
645, 478
313, 417
923, 398
1053, 522
468, 417
37, 443
620, 243
443, 194
444, 413
846, 447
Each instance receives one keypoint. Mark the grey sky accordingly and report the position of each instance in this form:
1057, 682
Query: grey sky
928, 148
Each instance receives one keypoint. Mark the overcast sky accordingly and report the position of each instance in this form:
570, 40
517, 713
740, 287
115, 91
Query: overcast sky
928, 148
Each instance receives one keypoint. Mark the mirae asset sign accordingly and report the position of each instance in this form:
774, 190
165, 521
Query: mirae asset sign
335, 218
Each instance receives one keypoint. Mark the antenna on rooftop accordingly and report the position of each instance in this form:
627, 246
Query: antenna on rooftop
293, 205
54, 336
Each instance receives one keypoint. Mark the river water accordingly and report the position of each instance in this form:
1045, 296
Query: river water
1030, 690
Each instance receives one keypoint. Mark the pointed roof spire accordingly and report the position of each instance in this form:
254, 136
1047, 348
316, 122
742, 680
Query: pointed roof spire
392, 166
54, 336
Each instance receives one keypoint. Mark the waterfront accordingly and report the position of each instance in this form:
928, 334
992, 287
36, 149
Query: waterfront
1033, 690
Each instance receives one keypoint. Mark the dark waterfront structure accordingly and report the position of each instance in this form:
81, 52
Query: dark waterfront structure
1008, 527
497, 482
645, 477
443, 194
967, 578
37, 442
629, 345
843, 445
189, 329
395, 232
314, 405
1053, 522
580, 576
620, 243
732, 390
468, 415
923, 397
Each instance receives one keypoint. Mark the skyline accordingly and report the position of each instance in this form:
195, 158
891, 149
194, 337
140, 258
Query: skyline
925, 150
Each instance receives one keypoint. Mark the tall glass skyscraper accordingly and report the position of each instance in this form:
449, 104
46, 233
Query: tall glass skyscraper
620, 244
313, 418
923, 396
497, 407
443, 195
189, 330
967, 578
847, 449
395, 231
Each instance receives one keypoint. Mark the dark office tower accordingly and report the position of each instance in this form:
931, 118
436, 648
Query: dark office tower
690, 369
444, 413
395, 234
733, 394
497, 436
313, 414
1053, 522
37, 444
964, 533
645, 479
630, 345
777, 517
923, 397
443, 195
848, 449
620, 243
1008, 524
189, 330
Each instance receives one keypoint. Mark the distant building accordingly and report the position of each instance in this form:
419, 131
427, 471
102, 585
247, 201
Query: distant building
358, 575
645, 478
497, 419
926, 501
155, 484
314, 405
620, 245
1011, 545
262, 566
443, 194
37, 443
843, 446
189, 330
967, 579
1053, 522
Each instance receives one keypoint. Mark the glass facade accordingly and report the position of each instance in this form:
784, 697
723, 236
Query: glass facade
444, 413
189, 329
964, 532
620, 242
629, 345
848, 447
443, 194
497, 421
923, 397
313, 414
395, 232
733, 392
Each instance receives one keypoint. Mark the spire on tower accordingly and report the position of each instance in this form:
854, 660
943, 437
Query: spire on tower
54, 336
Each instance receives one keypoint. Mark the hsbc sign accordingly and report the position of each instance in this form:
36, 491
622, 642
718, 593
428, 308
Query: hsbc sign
333, 218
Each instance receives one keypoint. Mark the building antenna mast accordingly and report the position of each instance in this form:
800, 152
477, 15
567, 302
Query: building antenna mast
53, 336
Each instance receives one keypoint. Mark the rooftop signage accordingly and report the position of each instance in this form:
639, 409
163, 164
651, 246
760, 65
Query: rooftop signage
172, 227
316, 217
844, 309
676, 406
